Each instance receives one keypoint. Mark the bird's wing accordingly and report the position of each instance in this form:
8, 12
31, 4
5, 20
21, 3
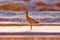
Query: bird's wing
30, 20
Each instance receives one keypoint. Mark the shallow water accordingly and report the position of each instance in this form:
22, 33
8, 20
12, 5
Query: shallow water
40, 16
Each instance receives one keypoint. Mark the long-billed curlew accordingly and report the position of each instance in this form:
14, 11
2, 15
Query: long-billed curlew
30, 20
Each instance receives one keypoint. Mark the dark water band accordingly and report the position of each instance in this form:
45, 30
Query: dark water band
29, 33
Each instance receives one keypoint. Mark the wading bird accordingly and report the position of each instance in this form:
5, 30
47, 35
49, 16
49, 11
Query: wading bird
30, 20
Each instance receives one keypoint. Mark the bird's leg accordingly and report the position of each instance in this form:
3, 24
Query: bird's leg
31, 27
35, 38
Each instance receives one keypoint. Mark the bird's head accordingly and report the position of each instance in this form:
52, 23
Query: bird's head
26, 12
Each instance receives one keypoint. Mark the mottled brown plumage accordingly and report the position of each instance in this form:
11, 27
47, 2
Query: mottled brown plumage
30, 20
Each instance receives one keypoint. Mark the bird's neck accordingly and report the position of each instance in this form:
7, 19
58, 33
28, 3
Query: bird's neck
26, 14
